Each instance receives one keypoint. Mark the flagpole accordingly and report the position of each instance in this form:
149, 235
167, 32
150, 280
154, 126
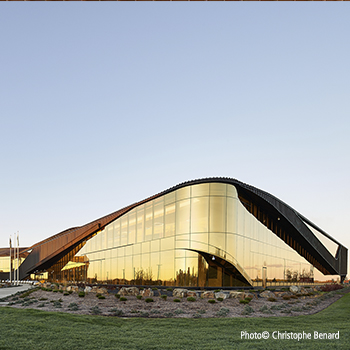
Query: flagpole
14, 258
10, 262
17, 257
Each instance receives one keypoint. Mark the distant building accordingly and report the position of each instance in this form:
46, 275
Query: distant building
215, 232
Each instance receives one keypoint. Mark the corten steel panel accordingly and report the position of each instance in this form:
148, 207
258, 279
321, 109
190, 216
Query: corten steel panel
49, 251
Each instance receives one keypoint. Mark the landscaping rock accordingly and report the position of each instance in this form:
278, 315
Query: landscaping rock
180, 292
267, 294
209, 295
99, 290
294, 289
124, 291
238, 295
249, 295
147, 293
87, 289
72, 289
192, 293
221, 295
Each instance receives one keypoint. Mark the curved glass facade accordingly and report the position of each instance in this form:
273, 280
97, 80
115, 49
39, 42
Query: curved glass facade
199, 235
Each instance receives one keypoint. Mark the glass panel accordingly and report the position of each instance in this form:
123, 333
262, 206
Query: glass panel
217, 239
183, 216
132, 227
117, 233
124, 230
155, 266
140, 224
231, 215
217, 217
200, 190
167, 267
170, 220
158, 221
110, 239
146, 247
149, 222
183, 193
199, 214
167, 243
169, 198
217, 189
137, 249
155, 245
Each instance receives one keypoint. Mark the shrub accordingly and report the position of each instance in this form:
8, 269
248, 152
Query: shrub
271, 299
144, 314
139, 297
286, 311
191, 299
216, 290
81, 294
177, 300
211, 301
123, 299
60, 291
244, 301
169, 289
168, 314
223, 312
57, 304
179, 311
154, 288
70, 292
55, 290
141, 288
65, 293
117, 296
164, 297
220, 299
41, 305
73, 307
247, 310
248, 298
41, 299
296, 309
102, 297
263, 308
116, 312
98, 295
155, 311
148, 300
95, 310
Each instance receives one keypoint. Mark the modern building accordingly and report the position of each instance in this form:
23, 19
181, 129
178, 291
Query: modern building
212, 232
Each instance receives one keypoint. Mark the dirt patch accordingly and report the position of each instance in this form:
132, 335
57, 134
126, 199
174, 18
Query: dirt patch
160, 308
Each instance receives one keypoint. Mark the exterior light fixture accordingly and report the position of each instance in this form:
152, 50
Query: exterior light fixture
213, 258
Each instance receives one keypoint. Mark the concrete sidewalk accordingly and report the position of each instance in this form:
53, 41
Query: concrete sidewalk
5, 292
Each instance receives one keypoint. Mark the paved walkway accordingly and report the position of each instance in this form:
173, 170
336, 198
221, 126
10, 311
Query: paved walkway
5, 292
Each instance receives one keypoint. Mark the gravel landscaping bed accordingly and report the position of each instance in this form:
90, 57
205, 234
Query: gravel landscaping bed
107, 304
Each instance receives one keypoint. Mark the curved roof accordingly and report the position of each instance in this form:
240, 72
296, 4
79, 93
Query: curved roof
47, 252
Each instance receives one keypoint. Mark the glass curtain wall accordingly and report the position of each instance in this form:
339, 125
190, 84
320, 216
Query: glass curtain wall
199, 235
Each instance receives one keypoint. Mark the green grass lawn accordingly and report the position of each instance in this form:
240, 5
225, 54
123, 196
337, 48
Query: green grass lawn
34, 329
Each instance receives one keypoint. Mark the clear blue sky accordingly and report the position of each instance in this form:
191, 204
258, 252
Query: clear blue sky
103, 105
